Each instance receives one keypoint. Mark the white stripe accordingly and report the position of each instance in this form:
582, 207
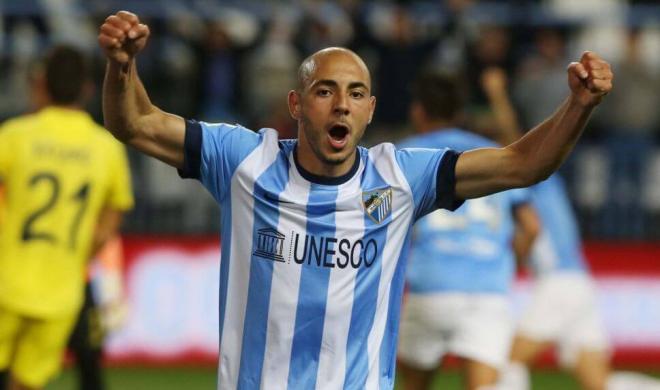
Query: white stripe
349, 223
383, 158
285, 285
242, 221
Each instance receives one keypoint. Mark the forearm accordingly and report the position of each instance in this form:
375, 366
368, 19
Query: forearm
522, 245
544, 148
132, 118
126, 105
505, 117
107, 227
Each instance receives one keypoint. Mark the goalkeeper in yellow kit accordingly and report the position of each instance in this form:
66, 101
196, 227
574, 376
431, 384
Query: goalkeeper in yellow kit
66, 186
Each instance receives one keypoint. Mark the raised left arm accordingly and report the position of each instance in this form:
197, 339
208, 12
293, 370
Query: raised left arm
539, 153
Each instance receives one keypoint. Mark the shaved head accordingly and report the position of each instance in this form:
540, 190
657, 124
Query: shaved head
310, 64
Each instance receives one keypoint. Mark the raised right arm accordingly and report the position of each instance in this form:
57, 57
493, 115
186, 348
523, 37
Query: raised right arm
127, 110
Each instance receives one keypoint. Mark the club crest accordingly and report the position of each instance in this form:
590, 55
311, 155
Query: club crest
378, 203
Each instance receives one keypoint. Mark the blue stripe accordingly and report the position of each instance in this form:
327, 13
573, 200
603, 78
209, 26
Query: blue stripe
365, 297
266, 216
313, 291
390, 337
225, 252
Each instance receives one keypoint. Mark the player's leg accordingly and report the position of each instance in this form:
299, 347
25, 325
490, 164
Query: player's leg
483, 339
10, 325
39, 352
420, 340
479, 375
539, 326
414, 378
525, 349
86, 343
592, 369
583, 346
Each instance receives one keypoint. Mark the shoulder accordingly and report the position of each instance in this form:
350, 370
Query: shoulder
17, 123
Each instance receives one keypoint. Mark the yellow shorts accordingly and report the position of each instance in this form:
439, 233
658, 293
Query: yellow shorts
32, 349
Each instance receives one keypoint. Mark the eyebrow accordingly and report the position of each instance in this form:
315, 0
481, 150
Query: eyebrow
333, 83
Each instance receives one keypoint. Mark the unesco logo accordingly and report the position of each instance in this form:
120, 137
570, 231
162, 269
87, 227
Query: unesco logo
270, 244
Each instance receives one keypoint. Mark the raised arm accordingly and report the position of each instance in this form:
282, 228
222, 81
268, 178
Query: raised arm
128, 113
541, 151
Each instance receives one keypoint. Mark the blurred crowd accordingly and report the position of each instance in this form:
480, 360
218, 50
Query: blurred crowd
234, 61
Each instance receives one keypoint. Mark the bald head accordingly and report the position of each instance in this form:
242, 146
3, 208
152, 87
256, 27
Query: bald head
310, 64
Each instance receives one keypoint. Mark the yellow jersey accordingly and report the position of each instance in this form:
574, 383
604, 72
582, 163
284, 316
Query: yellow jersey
59, 169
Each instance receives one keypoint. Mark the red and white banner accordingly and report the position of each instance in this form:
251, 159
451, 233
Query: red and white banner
172, 291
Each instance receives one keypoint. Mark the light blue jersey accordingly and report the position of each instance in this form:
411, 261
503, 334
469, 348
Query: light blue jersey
469, 250
312, 268
558, 247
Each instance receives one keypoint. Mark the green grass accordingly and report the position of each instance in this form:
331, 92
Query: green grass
133, 378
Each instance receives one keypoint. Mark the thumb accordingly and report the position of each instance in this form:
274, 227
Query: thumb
138, 31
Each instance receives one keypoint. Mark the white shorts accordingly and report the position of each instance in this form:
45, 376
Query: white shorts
563, 310
471, 326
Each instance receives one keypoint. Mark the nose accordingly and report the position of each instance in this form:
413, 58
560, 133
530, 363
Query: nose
341, 104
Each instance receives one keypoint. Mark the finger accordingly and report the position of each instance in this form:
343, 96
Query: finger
138, 31
112, 31
578, 69
129, 17
118, 23
601, 86
601, 74
588, 56
107, 41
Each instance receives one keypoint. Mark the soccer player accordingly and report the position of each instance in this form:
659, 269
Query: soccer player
67, 186
315, 230
462, 264
563, 308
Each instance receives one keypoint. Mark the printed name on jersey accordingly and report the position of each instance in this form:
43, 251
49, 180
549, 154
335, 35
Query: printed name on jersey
320, 251
378, 203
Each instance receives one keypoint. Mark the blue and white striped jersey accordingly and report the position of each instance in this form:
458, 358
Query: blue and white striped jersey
558, 247
312, 268
467, 251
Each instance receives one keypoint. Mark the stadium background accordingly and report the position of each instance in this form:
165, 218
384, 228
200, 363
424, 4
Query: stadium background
234, 61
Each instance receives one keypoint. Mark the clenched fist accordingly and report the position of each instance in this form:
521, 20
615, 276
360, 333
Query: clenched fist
590, 79
122, 36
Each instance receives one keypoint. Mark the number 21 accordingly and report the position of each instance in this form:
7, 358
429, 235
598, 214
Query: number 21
81, 196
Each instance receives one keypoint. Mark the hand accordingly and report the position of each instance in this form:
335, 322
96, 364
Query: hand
590, 79
122, 36
493, 81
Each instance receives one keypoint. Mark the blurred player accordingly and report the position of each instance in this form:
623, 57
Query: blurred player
462, 263
315, 230
67, 186
102, 312
563, 309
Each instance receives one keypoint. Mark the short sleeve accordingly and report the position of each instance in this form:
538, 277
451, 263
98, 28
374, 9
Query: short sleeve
121, 193
212, 153
431, 176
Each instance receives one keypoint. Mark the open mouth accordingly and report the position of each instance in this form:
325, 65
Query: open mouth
338, 135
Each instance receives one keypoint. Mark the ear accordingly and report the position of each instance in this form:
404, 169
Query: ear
294, 104
372, 108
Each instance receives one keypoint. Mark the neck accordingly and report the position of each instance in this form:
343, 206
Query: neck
72, 106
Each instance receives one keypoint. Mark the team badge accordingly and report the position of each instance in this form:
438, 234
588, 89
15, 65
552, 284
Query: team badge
378, 203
